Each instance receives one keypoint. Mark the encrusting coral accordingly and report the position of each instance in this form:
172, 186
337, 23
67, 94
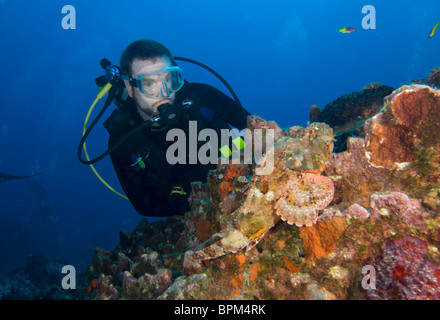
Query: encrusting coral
376, 204
404, 273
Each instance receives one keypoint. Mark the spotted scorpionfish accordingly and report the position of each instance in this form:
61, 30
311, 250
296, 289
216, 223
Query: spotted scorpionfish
294, 192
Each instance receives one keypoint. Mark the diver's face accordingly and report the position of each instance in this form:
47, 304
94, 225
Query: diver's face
148, 106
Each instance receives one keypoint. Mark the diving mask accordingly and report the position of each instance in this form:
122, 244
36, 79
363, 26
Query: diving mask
159, 83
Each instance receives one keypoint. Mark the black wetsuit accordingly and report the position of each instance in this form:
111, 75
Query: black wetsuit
161, 189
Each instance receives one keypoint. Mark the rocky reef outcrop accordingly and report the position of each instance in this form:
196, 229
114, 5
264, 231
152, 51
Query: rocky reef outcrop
358, 224
347, 114
432, 80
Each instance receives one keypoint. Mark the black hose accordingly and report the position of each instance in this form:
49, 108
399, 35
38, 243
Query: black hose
214, 73
118, 143
109, 99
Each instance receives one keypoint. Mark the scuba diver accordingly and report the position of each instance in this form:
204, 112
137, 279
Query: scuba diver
157, 91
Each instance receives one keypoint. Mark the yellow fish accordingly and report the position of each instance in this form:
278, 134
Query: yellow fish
347, 30
433, 29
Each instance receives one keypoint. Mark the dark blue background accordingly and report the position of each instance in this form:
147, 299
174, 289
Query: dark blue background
280, 56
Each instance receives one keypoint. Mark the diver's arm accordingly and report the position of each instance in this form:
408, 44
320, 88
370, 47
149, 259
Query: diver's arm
148, 192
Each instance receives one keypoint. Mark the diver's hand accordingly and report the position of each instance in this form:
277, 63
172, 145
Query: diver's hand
179, 202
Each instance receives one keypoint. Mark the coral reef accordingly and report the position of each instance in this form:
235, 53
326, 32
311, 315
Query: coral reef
376, 204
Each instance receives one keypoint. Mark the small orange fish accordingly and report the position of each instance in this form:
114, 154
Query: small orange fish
347, 30
433, 30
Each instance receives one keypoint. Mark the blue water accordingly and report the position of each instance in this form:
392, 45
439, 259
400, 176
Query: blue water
280, 57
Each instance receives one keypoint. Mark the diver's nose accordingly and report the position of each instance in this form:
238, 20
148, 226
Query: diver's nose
164, 90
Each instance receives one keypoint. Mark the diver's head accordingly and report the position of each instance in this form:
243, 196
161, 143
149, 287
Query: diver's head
151, 76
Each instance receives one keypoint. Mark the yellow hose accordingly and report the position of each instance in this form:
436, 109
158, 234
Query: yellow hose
98, 97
